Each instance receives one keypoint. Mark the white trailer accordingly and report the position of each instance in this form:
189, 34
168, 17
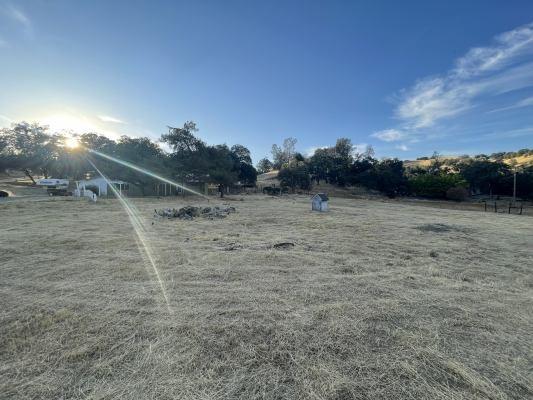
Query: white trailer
55, 187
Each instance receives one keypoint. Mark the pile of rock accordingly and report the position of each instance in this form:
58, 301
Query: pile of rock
191, 212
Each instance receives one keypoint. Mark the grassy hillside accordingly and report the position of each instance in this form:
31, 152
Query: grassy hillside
521, 161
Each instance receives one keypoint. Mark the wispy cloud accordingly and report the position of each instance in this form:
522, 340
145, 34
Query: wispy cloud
389, 135
3, 43
18, 16
107, 118
513, 133
506, 49
522, 103
483, 71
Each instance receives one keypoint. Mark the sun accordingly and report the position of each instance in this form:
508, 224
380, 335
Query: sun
72, 142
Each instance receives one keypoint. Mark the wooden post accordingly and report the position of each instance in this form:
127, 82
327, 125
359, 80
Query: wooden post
514, 188
495, 207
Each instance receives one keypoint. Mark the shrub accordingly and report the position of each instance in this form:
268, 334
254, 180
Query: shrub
435, 186
457, 193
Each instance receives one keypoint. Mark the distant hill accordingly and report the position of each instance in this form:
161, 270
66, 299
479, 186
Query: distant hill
523, 158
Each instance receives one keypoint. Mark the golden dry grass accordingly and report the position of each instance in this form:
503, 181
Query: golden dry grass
375, 301
519, 161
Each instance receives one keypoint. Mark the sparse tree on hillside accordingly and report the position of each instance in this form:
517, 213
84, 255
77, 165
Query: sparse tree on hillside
138, 151
189, 160
264, 166
295, 176
241, 153
344, 148
97, 142
246, 172
320, 164
29, 148
221, 166
282, 156
368, 154
183, 139
332, 163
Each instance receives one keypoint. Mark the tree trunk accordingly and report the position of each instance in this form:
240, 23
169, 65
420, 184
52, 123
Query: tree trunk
27, 173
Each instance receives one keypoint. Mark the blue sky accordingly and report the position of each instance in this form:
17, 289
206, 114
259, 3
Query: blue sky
408, 77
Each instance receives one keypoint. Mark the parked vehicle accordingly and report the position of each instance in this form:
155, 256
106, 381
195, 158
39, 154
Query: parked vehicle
55, 187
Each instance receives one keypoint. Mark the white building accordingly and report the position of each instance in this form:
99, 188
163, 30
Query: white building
100, 186
319, 202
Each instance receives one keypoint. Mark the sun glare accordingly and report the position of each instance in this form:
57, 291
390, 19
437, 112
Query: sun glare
71, 142
68, 122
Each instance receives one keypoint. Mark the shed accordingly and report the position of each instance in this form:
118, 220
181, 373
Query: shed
100, 185
319, 202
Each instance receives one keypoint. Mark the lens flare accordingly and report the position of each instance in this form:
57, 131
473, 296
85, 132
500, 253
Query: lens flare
146, 172
72, 142
140, 231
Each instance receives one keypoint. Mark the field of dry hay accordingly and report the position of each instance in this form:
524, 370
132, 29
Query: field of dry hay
374, 301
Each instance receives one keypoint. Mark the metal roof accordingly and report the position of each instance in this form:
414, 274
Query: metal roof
323, 196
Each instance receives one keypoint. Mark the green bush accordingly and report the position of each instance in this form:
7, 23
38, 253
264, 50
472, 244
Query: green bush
435, 186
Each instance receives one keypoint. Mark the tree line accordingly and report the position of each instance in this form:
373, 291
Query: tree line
343, 165
32, 149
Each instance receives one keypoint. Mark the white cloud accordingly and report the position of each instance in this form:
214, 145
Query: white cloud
507, 48
482, 71
107, 118
502, 67
389, 135
402, 147
3, 43
429, 100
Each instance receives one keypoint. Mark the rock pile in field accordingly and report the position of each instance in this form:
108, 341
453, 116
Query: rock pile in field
191, 212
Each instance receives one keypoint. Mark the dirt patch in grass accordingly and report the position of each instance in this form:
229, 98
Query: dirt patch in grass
440, 228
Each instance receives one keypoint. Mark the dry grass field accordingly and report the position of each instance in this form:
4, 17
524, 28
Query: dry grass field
375, 300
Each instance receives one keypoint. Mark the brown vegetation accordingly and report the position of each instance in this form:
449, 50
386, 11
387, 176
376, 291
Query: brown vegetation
373, 300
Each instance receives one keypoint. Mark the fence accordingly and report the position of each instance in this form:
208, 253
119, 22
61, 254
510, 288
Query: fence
516, 207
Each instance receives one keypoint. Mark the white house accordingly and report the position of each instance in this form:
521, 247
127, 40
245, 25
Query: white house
319, 202
100, 186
